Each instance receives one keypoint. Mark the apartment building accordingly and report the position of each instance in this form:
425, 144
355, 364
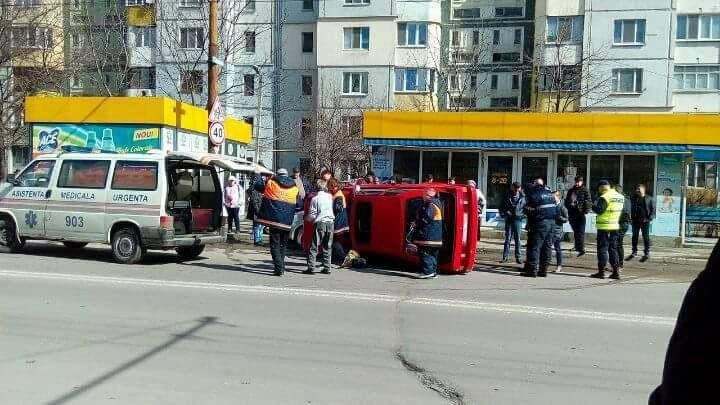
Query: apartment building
488, 48
628, 56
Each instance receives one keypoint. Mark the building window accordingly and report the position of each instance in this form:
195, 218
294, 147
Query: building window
249, 5
560, 78
412, 34
455, 38
518, 36
144, 36
406, 165
638, 169
515, 82
506, 57
504, 102
494, 82
31, 37
75, 81
698, 27
249, 85
183, 3
357, 38
27, 3
565, 29
305, 128
412, 79
356, 2
467, 13
463, 102
75, 40
191, 82
627, 81
307, 42
703, 175
351, 125
141, 78
496, 37
453, 82
476, 38
508, 11
630, 32
307, 85
250, 41
473, 82
192, 38
700, 78
355, 83
308, 5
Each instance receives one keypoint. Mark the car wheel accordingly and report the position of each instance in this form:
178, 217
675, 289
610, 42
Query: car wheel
8, 238
190, 252
127, 247
75, 245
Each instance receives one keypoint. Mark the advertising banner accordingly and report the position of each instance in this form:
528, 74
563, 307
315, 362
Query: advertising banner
382, 162
48, 138
669, 195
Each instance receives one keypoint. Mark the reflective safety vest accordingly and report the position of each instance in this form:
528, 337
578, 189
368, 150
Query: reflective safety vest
278, 204
430, 225
610, 219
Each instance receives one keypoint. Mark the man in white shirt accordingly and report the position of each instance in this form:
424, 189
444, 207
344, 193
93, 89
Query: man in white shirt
322, 216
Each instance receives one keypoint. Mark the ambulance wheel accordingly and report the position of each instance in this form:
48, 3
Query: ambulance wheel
127, 247
190, 252
75, 245
8, 238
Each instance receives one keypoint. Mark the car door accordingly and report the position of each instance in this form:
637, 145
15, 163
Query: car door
76, 208
27, 197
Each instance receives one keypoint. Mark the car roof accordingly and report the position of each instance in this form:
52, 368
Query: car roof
101, 156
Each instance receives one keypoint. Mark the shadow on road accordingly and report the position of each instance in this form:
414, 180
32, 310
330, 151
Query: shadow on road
71, 395
263, 269
96, 254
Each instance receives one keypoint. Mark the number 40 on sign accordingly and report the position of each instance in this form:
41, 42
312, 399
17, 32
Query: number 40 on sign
216, 132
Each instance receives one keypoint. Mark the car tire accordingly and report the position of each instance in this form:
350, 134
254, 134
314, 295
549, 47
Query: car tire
190, 252
8, 238
75, 245
127, 247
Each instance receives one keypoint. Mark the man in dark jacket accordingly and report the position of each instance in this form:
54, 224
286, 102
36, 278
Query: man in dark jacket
429, 233
560, 221
643, 213
513, 212
625, 219
277, 211
578, 204
254, 199
541, 211
693, 355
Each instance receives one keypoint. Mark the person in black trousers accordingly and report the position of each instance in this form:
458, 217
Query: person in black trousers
578, 204
513, 212
542, 211
625, 219
643, 213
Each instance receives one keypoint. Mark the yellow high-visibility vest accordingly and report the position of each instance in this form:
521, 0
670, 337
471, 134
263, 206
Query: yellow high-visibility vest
610, 219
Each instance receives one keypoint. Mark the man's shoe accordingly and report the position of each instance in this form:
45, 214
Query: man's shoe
518, 261
531, 274
542, 273
644, 259
308, 271
581, 253
504, 260
278, 273
632, 256
325, 271
424, 276
558, 269
600, 274
615, 275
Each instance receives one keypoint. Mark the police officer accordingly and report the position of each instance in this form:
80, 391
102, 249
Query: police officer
429, 233
609, 208
277, 211
542, 212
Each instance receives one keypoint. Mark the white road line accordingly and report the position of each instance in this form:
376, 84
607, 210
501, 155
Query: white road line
346, 295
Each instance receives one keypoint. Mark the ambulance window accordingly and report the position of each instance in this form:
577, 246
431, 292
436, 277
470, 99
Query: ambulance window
135, 176
84, 174
37, 175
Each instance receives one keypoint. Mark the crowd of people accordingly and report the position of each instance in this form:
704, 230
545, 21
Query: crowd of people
545, 213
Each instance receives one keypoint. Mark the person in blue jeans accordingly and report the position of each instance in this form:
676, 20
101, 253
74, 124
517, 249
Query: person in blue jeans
558, 232
513, 212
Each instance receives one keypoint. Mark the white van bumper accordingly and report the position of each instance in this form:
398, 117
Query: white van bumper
164, 238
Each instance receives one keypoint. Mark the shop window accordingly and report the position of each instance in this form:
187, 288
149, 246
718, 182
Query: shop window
534, 167
436, 163
638, 170
406, 165
568, 167
603, 167
499, 178
465, 166
703, 175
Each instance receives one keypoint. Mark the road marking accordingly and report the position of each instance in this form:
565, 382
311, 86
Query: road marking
346, 295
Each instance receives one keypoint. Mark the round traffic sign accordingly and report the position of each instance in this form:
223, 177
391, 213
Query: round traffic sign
216, 132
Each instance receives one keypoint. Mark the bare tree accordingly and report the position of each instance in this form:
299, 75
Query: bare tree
31, 62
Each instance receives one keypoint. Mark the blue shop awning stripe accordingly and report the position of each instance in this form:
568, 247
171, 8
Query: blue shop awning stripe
575, 146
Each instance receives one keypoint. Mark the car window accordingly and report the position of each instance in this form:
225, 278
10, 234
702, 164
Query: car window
84, 174
37, 174
135, 176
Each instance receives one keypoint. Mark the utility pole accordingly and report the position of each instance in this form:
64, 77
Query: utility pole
258, 119
213, 62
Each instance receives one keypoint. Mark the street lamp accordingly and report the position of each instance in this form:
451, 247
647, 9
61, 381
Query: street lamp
258, 119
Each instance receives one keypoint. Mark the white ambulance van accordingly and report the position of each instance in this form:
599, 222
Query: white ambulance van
133, 202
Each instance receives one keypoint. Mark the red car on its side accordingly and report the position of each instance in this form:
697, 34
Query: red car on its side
380, 217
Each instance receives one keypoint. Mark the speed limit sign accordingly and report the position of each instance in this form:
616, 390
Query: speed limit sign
216, 132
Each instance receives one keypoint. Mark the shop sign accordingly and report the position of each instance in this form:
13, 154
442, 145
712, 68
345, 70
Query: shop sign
111, 138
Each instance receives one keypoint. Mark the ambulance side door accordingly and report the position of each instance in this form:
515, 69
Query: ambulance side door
27, 198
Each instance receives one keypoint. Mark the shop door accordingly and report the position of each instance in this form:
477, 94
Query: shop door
533, 167
498, 177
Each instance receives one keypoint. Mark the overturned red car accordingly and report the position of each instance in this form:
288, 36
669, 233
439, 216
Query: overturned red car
380, 217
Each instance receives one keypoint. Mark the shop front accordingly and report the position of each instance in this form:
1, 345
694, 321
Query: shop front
497, 149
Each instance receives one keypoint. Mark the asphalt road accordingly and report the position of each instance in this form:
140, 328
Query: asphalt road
78, 329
